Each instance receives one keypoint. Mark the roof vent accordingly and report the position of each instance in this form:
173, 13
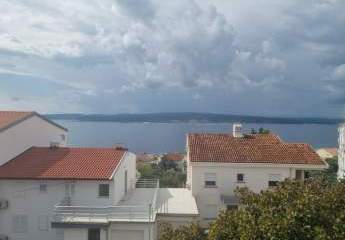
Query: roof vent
237, 130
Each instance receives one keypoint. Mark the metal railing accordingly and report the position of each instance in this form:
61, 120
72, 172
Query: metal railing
142, 213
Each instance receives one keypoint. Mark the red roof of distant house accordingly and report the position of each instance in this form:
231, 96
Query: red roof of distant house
8, 117
173, 156
332, 151
11, 118
258, 148
63, 163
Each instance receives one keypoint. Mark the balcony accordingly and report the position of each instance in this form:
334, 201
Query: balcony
139, 205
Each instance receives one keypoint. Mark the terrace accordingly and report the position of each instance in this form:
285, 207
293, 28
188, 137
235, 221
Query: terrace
139, 205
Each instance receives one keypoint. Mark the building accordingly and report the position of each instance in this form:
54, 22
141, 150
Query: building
87, 194
341, 151
22, 130
327, 153
178, 158
219, 163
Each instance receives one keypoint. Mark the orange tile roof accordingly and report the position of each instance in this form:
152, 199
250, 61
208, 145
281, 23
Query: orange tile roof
258, 148
7, 118
173, 156
63, 163
332, 151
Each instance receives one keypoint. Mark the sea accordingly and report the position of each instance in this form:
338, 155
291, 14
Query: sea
171, 137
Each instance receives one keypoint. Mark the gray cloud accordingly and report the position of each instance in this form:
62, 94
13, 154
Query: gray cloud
267, 52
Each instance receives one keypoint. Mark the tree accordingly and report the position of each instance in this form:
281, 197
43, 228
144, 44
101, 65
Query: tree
329, 174
293, 210
190, 232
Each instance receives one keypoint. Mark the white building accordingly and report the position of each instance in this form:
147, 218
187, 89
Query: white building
341, 151
49, 191
22, 130
219, 163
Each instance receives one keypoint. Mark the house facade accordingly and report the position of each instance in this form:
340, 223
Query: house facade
341, 151
22, 130
219, 163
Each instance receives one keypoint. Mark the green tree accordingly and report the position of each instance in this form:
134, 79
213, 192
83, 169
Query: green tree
331, 173
190, 232
294, 210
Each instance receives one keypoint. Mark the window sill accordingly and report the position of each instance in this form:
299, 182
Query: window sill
104, 197
210, 187
241, 182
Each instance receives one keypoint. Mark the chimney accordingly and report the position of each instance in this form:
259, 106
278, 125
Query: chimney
54, 145
237, 130
120, 146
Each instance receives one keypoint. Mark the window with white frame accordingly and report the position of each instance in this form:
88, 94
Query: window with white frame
20, 223
43, 188
273, 180
43, 223
211, 211
210, 180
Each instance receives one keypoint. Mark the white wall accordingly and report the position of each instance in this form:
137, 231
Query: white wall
128, 163
341, 151
81, 234
34, 204
33, 131
256, 179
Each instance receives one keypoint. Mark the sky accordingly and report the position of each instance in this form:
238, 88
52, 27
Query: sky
263, 57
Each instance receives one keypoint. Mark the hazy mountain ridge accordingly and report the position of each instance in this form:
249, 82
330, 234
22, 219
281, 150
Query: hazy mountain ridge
191, 117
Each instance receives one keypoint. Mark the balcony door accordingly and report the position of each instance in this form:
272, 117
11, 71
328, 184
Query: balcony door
126, 179
94, 234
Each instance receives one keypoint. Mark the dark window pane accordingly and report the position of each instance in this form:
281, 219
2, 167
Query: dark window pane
103, 190
240, 177
273, 183
94, 234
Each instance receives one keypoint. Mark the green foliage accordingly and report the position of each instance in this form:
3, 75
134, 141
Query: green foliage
167, 172
191, 232
294, 210
329, 174
260, 131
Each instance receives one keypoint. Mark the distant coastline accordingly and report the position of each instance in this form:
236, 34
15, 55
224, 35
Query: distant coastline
191, 117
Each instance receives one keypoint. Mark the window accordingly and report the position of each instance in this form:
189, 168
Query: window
43, 223
273, 180
63, 137
20, 223
94, 234
210, 180
103, 190
240, 177
211, 212
43, 188
231, 207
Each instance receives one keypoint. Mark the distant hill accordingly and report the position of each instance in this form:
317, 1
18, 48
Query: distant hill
190, 117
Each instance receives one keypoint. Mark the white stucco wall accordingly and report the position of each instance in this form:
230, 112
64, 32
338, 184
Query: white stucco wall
128, 163
33, 131
81, 234
341, 151
256, 179
25, 199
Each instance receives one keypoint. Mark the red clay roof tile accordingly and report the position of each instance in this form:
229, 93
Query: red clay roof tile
258, 148
63, 163
8, 118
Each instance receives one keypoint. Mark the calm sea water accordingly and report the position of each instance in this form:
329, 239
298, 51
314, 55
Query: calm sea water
166, 137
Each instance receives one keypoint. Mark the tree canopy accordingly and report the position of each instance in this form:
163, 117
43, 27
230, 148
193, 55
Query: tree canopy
294, 210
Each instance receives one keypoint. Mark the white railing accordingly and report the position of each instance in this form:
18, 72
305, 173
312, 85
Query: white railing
144, 213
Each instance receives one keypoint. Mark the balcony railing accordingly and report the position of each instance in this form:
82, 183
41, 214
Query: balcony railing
99, 214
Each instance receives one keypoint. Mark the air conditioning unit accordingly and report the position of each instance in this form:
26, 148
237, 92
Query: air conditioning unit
3, 205
4, 237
